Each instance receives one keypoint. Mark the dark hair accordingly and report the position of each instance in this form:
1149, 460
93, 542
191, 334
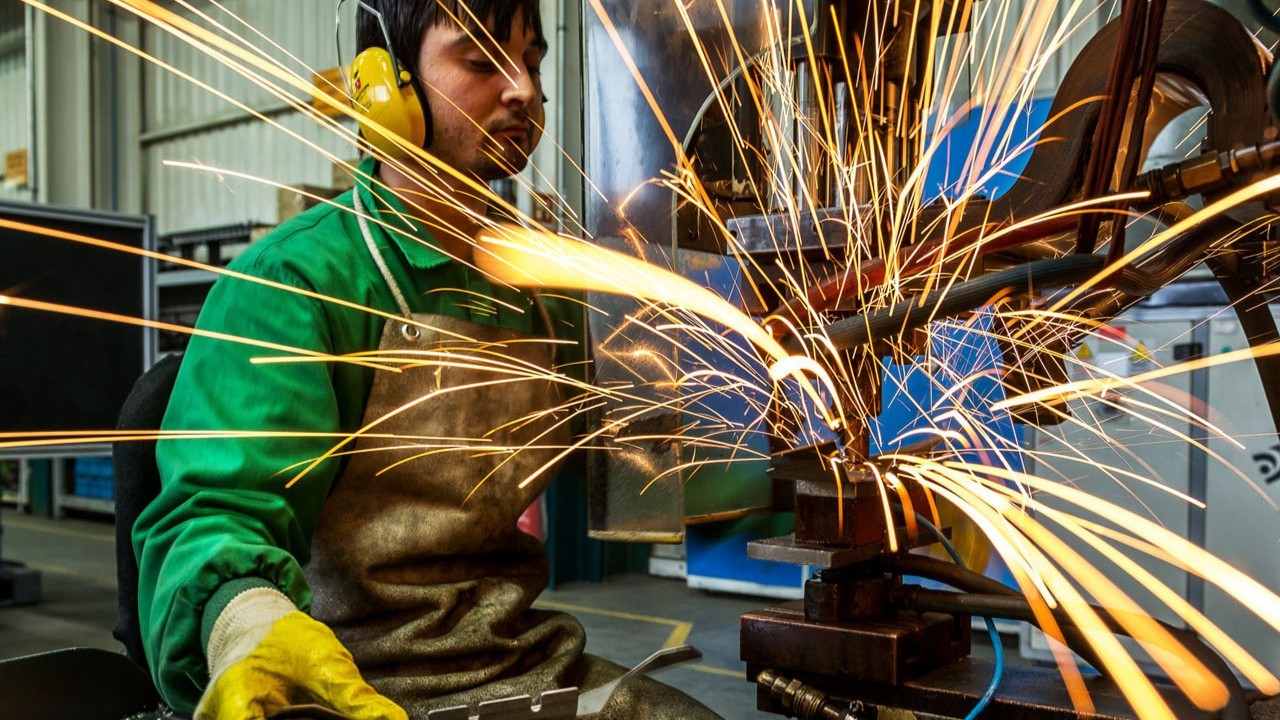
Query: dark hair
408, 20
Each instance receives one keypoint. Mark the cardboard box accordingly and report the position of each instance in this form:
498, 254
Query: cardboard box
17, 170
343, 180
296, 199
330, 83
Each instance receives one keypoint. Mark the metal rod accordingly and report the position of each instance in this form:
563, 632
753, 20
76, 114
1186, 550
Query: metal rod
233, 118
807, 702
1017, 608
962, 297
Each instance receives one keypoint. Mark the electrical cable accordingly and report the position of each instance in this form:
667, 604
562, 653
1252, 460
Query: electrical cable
1141, 108
1016, 607
1110, 125
996, 645
964, 296
990, 598
978, 584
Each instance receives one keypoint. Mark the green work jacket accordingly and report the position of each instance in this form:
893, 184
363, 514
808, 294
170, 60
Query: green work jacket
224, 520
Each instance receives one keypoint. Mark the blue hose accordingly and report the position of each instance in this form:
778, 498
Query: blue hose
996, 644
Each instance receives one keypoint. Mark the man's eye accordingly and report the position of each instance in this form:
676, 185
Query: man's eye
482, 65
534, 69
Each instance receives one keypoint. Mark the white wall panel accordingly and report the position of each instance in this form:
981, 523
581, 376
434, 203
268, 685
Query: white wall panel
184, 199
15, 112
302, 28
179, 112
999, 29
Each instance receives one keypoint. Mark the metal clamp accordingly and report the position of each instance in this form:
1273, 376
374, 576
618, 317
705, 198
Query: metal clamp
563, 704
594, 701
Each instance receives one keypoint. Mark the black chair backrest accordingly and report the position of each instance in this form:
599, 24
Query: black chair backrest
137, 482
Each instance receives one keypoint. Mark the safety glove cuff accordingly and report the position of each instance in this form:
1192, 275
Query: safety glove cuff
242, 625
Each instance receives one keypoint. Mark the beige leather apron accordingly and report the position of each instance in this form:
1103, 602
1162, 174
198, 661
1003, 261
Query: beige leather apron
419, 567
423, 575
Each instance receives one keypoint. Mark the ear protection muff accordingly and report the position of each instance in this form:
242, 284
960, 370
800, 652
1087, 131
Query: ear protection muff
388, 103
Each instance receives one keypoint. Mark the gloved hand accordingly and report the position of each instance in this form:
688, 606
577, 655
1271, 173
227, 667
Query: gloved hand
265, 655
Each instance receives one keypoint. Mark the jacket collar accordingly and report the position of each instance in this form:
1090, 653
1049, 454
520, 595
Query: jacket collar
396, 227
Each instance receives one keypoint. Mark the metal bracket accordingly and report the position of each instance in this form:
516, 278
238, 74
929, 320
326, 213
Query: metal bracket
552, 705
594, 701
563, 704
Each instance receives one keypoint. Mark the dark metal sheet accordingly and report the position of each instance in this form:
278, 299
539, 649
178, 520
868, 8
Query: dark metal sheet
645, 485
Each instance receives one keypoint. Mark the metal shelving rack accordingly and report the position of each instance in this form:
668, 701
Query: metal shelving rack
61, 478
130, 228
21, 499
181, 290
62, 481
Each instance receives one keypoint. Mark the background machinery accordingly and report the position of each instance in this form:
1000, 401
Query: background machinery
807, 124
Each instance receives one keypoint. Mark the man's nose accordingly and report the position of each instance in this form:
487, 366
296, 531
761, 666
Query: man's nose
522, 89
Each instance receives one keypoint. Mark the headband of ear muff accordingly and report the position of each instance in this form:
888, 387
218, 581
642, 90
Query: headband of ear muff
388, 104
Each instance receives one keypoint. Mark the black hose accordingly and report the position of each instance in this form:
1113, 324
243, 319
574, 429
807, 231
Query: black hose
1265, 15
1156, 270
949, 573
1016, 607
977, 583
962, 297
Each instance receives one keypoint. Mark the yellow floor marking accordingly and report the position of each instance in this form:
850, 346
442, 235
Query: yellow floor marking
63, 570
41, 527
679, 629
679, 635
740, 674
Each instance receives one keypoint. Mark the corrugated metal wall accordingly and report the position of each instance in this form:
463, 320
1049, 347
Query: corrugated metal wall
1069, 28
186, 123
999, 28
15, 112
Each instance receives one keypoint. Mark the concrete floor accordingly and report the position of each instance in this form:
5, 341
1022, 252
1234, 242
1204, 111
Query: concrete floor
76, 559
626, 618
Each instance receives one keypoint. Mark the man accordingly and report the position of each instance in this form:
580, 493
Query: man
404, 553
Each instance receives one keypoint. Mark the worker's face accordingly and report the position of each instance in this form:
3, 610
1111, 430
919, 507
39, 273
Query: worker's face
485, 97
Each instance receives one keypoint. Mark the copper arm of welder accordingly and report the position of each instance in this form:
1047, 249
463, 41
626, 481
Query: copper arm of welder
1206, 173
1195, 40
913, 258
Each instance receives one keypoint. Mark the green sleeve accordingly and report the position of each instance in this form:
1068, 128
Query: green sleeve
224, 512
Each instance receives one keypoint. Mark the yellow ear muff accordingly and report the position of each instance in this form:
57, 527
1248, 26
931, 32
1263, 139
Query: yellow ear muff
386, 103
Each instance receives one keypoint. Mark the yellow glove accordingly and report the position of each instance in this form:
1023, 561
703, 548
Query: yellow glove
265, 655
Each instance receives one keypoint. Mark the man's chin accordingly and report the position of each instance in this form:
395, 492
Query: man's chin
509, 164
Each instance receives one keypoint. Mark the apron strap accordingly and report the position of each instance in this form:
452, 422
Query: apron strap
377, 256
409, 330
